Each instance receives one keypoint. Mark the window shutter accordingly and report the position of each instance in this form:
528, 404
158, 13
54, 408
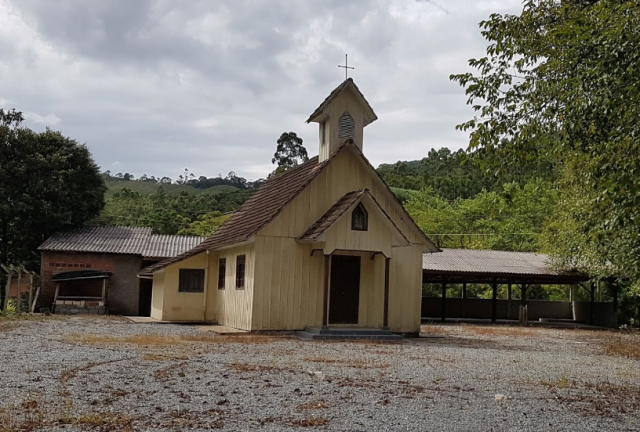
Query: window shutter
347, 126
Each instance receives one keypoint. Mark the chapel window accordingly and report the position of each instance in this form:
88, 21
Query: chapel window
222, 272
191, 281
240, 271
346, 126
359, 219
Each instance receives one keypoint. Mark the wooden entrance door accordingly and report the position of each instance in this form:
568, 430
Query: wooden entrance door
344, 296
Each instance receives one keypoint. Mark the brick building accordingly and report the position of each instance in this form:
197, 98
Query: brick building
121, 251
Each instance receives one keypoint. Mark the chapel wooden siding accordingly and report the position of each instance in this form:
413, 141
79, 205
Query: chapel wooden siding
345, 172
171, 305
231, 306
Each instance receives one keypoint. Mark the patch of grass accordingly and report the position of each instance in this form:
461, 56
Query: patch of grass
68, 374
98, 420
356, 364
244, 367
562, 383
502, 331
161, 340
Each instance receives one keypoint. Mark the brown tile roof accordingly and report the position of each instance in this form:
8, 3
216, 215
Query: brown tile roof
265, 205
346, 83
332, 215
491, 262
120, 240
256, 212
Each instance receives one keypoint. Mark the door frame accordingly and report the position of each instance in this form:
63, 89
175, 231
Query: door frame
328, 275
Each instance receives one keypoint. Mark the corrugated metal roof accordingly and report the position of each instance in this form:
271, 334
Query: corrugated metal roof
120, 240
165, 246
489, 262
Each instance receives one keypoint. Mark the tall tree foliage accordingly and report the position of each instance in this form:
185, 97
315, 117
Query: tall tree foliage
48, 183
183, 213
290, 152
560, 82
510, 219
459, 174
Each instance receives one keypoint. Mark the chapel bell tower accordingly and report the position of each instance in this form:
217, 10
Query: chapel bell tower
342, 117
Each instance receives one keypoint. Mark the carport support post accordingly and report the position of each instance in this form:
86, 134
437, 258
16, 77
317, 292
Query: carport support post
509, 298
524, 316
615, 302
593, 294
494, 302
444, 301
464, 291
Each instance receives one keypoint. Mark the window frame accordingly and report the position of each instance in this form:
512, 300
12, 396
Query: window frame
241, 271
222, 273
323, 132
360, 209
186, 276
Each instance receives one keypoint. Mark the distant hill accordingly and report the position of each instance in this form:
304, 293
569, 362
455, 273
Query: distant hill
148, 188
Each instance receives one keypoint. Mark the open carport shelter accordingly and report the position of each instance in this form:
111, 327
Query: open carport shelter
519, 270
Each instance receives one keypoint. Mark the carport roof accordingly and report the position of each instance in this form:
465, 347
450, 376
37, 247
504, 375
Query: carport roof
486, 266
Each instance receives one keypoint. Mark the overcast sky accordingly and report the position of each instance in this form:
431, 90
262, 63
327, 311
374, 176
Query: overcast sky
154, 86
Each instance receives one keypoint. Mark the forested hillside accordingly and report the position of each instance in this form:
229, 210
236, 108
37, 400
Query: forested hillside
459, 202
187, 205
451, 196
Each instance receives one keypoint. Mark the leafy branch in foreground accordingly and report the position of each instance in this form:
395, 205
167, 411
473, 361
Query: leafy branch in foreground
561, 82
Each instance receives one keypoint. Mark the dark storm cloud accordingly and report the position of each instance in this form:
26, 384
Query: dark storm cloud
156, 86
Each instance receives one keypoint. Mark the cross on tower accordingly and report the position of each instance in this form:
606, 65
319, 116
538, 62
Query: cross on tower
346, 67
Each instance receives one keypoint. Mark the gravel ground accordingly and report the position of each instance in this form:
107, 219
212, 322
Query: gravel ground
107, 374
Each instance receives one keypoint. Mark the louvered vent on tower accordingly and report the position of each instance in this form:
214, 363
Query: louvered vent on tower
347, 126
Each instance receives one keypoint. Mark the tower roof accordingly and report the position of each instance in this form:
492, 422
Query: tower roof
348, 84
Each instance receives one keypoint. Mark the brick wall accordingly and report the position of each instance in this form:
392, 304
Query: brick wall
122, 287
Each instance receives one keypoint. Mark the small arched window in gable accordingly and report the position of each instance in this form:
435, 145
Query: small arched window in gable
347, 126
359, 219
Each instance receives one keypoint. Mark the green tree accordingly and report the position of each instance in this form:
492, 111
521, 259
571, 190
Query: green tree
289, 153
560, 82
206, 224
48, 183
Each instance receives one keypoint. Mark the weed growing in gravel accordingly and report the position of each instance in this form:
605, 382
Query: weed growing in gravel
244, 367
308, 422
312, 406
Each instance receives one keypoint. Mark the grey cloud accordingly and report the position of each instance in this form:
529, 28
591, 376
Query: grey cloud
159, 85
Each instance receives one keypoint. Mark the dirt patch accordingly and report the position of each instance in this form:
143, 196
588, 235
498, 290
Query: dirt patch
160, 340
627, 346
604, 399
